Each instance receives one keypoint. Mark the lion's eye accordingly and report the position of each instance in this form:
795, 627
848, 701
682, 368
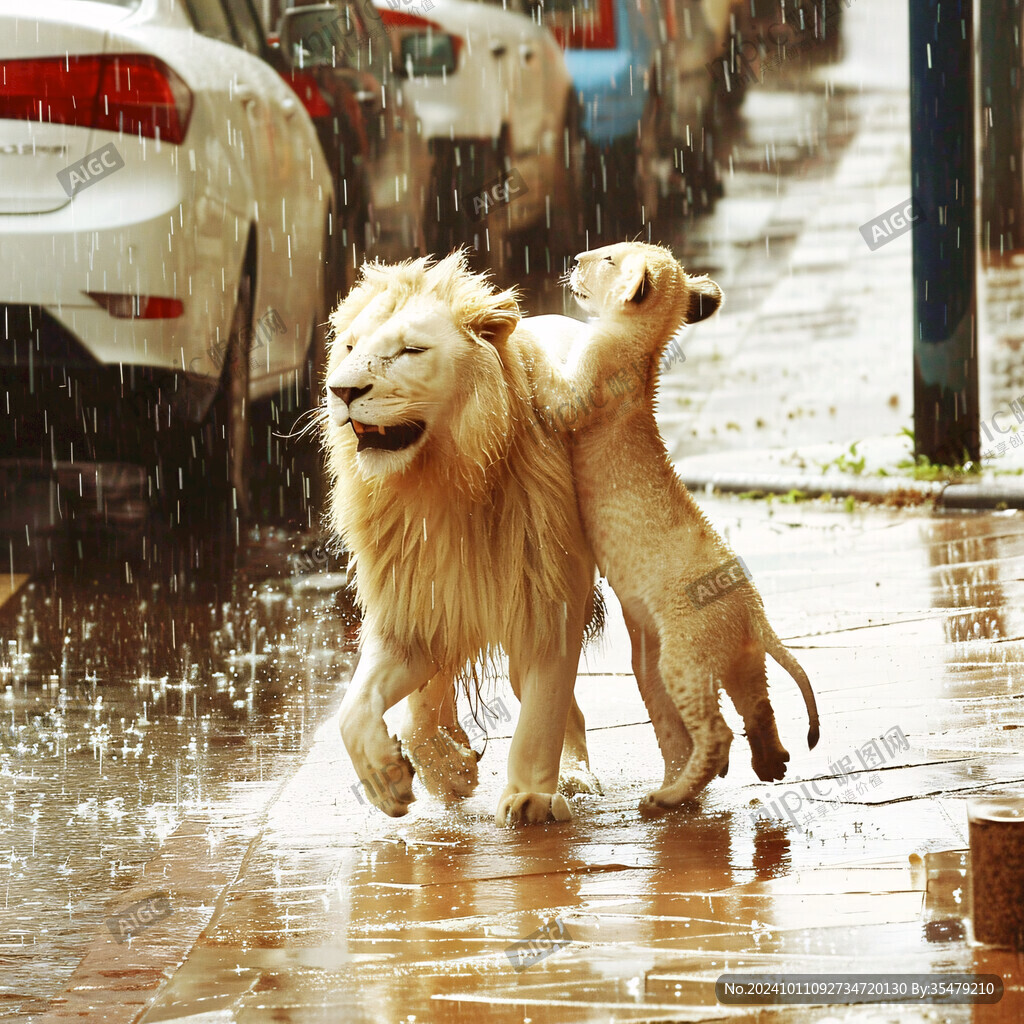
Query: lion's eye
411, 351
608, 259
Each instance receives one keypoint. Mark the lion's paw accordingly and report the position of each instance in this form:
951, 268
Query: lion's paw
577, 778
517, 809
389, 786
446, 767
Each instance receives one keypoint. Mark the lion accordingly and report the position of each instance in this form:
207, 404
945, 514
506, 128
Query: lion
462, 528
695, 622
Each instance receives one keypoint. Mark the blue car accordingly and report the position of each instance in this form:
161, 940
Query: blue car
639, 68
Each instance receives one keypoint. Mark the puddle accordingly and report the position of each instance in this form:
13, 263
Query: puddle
124, 710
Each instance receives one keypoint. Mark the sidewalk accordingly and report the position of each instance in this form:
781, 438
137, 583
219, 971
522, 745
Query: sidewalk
901, 620
812, 349
879, 470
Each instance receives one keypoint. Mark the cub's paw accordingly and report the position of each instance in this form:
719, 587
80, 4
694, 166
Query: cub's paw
768, 758
655, 805
651, 807
446, 767
515, 809
576, 778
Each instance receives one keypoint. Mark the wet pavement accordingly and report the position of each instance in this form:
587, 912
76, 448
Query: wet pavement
905, 621
135, 717
172, 743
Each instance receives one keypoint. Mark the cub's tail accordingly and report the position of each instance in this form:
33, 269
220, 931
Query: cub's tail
773, 645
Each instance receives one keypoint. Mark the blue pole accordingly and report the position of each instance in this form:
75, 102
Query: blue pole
942, 164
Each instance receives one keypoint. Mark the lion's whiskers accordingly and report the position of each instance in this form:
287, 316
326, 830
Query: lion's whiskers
313, 418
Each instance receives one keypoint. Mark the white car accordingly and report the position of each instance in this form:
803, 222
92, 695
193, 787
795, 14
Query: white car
165, 220
490, 89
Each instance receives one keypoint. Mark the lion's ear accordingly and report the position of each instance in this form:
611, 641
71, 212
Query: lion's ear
705, 298
496, 320
633, 271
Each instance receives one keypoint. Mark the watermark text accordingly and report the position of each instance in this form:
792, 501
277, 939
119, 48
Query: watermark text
129, 922
93, 167
548, 939
794, 802
887, 226
720, 581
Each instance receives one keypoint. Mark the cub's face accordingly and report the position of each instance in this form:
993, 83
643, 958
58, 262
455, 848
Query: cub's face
622, 279
604, 279
391, 377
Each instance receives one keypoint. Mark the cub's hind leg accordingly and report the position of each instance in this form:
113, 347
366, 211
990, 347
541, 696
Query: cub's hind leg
673, 739
746, 683
695, 693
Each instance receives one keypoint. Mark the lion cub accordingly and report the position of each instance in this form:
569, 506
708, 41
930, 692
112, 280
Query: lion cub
691, 632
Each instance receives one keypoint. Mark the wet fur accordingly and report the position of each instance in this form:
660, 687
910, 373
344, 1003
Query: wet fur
471, 544
652, 541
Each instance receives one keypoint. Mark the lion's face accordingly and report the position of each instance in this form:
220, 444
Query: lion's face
392, 378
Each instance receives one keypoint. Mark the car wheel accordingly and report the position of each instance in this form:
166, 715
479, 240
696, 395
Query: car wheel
235, 397
460, 167
200, 475
286, 480
311, 476
613, 206
207, 469
550, 246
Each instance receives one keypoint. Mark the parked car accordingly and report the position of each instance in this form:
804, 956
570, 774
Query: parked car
342, 67
766, 33
165, 216
489, 86
639, 66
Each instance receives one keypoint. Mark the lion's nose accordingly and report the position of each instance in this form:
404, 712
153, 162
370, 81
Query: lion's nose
349, 395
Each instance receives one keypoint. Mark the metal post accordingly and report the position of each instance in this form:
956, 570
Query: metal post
942, 175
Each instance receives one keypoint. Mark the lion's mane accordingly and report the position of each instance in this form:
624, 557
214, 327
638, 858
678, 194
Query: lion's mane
477, 542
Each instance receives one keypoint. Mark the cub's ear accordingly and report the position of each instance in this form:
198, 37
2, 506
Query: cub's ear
705, 298
634, 278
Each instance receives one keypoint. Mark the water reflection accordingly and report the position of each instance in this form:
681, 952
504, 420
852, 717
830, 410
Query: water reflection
127, 707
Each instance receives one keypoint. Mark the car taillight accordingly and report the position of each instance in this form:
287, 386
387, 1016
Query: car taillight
584, 29
304, 84
138, 307
133, 93
402, 19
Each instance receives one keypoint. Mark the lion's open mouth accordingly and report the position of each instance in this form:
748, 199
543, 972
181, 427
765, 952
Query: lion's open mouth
392, 439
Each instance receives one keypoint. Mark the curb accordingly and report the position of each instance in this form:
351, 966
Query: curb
979, 495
